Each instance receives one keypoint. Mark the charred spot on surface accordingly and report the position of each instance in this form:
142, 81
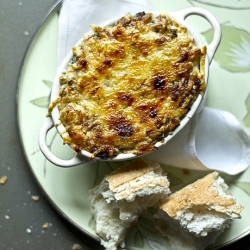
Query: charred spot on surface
159, 28
118, 52
105, 65
149, 132
184, 72
156, 29
197, 83
107, 33
160, 40
145, 17
187, 101
118, 33
94, 91
184, 56
120, 125
107, 61
71, 82
160, 137
111, 104
175, 120
100, 32
142, 106
175, 95
98, 135
97, 35
103, 154
173, 32
72, 133
124, 21
124, 129
143, 118
75, 139
159, 122
77, 149
145, 147
63, 91
72, 115
159, 82
140, 15
82, 62
127, 97
153, 113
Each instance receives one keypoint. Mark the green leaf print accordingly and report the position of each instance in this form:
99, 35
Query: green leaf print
138, 240
155, 245
91, 223
41, 102
246, 119
48, 83
233, 53
147, 224
174, 180
244, 186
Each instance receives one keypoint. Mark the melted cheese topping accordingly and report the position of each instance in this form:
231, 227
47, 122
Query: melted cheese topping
128, 86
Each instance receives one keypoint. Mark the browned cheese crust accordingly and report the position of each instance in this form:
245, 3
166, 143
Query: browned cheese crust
129, 85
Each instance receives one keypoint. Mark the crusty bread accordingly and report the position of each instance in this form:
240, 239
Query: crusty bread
122, 196
194, 216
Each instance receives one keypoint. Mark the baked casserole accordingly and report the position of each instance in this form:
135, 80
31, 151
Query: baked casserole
129, 85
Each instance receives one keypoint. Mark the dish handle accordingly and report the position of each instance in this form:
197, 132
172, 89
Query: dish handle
212, 47
76, 160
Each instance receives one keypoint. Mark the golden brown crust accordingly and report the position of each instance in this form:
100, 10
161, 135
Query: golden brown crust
136, 176
128, 172
200, 193
128, 86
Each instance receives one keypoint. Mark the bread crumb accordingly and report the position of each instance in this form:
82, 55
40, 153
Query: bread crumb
76, 247
35, 198
3, 179
46, 225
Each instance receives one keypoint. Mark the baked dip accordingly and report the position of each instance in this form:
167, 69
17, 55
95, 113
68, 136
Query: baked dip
129, 85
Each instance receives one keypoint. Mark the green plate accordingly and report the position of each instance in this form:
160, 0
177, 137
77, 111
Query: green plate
67, 189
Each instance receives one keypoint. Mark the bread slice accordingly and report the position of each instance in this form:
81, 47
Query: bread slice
122, 196
194, 216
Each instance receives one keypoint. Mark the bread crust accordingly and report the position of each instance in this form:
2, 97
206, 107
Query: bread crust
129, 172
138, 176
201, 193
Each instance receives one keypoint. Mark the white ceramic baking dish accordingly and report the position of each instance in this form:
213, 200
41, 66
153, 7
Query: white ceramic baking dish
84, 156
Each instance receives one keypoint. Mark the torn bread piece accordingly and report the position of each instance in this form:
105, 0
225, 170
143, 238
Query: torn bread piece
122, 196
193, 217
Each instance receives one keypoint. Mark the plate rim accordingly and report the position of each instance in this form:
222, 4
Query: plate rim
55, 7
